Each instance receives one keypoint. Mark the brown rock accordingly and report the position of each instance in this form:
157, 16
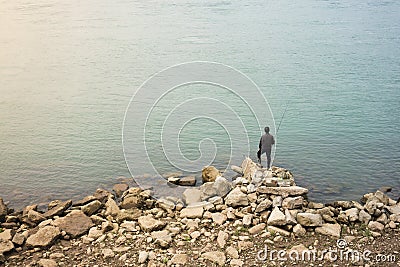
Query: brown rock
111, 207
35, 216
102, 195
75, 223
3, 210
91, 207
209, 174
44, 237
5, 246
28, 208
84, 201
148, 223
119, 189
47, 263
128, 215
187, 181
58, 209
217, 257
179, 259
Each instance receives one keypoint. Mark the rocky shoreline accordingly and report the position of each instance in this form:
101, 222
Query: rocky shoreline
220, 223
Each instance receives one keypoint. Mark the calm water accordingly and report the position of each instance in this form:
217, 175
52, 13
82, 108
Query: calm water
68, 70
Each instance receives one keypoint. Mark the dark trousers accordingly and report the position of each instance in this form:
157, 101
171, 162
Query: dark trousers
268, 153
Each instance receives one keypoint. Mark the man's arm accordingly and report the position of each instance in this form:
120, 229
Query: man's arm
260, 144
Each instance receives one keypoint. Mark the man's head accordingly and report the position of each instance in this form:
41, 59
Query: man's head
266, 129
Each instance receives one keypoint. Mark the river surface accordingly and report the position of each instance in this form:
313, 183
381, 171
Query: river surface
69, 69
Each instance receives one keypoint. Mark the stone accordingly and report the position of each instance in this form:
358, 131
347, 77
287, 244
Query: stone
236, 263
219, 218
395, 217
3, 210
299, 230
316, 205
249, 169
195, 234
165, 204
102, 195
237, 169
273, 229
47, 263
91, 207
382, 197
35, 216
143, 256
5, 246
107, 253
149, 224
44, 237
343, 204
245, 245
364, 217
247, 219
375, 226
130, 226
277, 201
293, 203
222, 238
84, 201
74, 224
162, 238
383, 219
187, 181
395, 209
232, 252
352, 214
209, 174
265, 204
119, 189
191, 195
222, 186
329, 229
309, 219
283, 191
180, 259
192, 212
58, 209
131, 201
111, 207
217, 257
257, 229
236, 198
18, 239
276, 217
290, 219
128, 215
173, 180
6, 235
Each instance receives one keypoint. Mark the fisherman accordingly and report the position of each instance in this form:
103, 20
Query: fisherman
265, 146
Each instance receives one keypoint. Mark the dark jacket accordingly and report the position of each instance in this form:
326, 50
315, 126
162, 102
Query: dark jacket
266, 142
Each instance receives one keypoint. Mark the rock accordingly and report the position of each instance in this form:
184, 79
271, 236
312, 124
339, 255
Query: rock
187, 181
143, 255
165, 204
128, 215
91, 207
215, 257
131, 201
3, 210
375, 226
290, 219
282, 232
173, 180
222, 238
35, 217
392, 225
395, 217
74, 224
180, 259
5, 246
352, 214
58, 209
329, 229
191, 195
222, 186
343, 204
18, 239
257, 229
102, 195
149, 224
111, 207
44, 237
162, 238
6, 235
283, 191
84, 201
219, 218
247, 219
232, 252
364, 217
292, 203
245, 245
236, 198
277, 217
395, 209
107, 253
237, 169
47, 263
119, 189
382, 197
265, 204
309, 219
192, 212
315, 205
299, 230
249, 169
236, 262
209, 174
277, 201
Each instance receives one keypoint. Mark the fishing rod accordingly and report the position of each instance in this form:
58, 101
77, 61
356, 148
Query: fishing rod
283, 115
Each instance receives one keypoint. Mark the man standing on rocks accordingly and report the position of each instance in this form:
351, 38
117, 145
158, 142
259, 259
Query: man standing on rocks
265, 146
